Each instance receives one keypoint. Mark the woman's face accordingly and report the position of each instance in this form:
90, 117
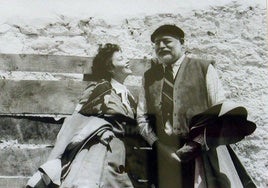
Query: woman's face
121, 64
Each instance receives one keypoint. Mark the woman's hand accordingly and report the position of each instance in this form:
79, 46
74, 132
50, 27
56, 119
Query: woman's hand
106, 137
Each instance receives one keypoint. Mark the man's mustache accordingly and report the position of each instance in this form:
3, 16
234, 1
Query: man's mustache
163, 51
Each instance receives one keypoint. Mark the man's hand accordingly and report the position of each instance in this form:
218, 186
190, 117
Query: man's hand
189, 151
176, 157
166, 152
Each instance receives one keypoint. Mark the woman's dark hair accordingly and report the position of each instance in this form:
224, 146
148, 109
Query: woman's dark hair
102, 62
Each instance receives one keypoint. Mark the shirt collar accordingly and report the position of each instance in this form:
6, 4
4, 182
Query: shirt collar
118, 87
175, 66
178, 62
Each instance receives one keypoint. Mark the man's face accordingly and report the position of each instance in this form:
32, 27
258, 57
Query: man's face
168, 49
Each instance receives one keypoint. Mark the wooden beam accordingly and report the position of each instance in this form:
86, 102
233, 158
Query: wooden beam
12, 181
17, 161
43, 130
58, 63
42, 96
39, 97
45, 63
29, 130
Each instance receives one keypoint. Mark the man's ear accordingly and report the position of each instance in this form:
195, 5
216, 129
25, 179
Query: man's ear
111, 68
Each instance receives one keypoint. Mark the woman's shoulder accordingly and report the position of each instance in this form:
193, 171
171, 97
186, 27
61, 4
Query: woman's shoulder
98, 84
95, 89
92, 100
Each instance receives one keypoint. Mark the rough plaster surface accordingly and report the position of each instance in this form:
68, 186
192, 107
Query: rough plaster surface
234, 35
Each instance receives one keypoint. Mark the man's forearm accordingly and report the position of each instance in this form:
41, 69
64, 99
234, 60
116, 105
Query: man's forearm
144, 127
145, 130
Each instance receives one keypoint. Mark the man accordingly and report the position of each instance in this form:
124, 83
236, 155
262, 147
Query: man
175, 89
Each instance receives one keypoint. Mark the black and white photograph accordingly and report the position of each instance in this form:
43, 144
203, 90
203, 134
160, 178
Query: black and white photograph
133, 94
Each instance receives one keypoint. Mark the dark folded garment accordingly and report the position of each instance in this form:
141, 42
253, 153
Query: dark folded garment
222, 124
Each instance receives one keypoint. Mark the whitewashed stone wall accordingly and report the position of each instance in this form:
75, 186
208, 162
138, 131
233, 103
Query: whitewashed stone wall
234, 35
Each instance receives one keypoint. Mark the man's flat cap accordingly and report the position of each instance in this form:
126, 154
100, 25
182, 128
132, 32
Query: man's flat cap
171, 30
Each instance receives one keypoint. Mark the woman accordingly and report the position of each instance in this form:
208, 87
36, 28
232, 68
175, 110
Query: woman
88, 151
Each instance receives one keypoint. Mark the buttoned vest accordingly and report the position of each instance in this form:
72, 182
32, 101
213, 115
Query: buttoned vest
189, 93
